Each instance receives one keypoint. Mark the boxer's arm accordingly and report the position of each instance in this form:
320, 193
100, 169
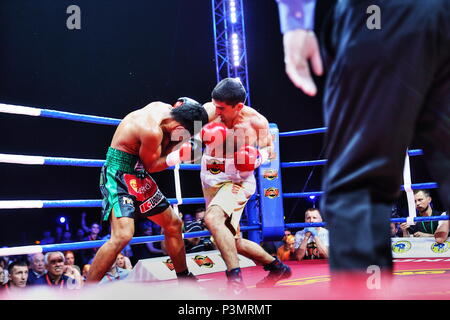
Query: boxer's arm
264, 139
151, 153
211, 110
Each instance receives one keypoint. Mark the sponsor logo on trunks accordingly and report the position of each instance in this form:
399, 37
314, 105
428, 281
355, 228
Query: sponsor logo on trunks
271, 192
215, 167
203, 261
169, 264
141, 188
270, 174
126, 200
152, 202
440, 247
401, 246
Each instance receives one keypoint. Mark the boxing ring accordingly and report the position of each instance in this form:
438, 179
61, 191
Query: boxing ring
265, 216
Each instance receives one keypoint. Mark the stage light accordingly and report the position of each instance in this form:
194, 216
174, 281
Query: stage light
62, 220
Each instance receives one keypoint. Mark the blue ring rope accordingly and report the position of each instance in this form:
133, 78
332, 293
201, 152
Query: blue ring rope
145, 239
135, 240
79, 117
395, 220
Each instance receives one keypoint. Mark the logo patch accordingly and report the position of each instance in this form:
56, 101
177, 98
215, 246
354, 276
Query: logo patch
152, 202
401, 246
440, 247
169, 264
203, 261
271, 192
126, 200
141, 188
270, 174
215, 167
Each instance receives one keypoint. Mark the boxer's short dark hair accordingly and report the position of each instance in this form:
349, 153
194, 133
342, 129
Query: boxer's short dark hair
188, 113
229, 90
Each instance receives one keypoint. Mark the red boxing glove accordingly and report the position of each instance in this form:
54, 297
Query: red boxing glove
189, 151
213, 134
247, 158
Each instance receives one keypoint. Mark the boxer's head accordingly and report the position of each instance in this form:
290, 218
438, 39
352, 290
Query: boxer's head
187, 112
229, 90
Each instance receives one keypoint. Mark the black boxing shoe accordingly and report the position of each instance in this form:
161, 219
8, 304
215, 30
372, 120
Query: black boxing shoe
277, 271
235, 284
186, 277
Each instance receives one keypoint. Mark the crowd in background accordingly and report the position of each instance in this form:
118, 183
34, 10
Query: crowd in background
70, 268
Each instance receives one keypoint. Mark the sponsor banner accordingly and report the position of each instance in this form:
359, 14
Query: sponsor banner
419, 248
161, 268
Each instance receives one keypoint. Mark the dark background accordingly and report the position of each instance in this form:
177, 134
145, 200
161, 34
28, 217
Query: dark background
125, 56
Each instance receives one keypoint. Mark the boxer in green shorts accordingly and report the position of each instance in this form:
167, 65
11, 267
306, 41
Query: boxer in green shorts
128, 189
147, 140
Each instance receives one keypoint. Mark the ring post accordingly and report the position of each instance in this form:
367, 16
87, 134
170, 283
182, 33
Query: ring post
271, 195
252, 212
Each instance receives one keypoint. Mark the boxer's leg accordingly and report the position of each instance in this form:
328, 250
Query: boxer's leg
122, 230
215, 221
173, 240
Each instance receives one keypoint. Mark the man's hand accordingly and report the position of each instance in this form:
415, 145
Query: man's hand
312, 231
301, 46
404, 226
419, 234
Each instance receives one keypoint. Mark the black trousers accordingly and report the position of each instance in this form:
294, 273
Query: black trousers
384, 88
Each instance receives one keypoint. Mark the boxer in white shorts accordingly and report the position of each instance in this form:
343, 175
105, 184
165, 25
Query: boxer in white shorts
237, 141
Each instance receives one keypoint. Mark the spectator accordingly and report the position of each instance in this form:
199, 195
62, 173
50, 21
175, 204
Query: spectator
86, 256
4, 261
149, 249
123, 262
66, 237
18, 275
188, 218
127, 251
396, 231
312, 243
442, 232
272, 246
199, 243
287, 250
86, 268
47, 239
79, 235
37, 271
84, 226
70, 260
2, 277
75, 280
58, 234
422, 199
116, 272
54, 263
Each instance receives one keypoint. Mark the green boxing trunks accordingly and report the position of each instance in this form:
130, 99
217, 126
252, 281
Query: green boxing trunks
127, 188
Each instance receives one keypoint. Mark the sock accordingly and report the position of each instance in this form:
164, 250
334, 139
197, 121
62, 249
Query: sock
274, 265
234, 274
